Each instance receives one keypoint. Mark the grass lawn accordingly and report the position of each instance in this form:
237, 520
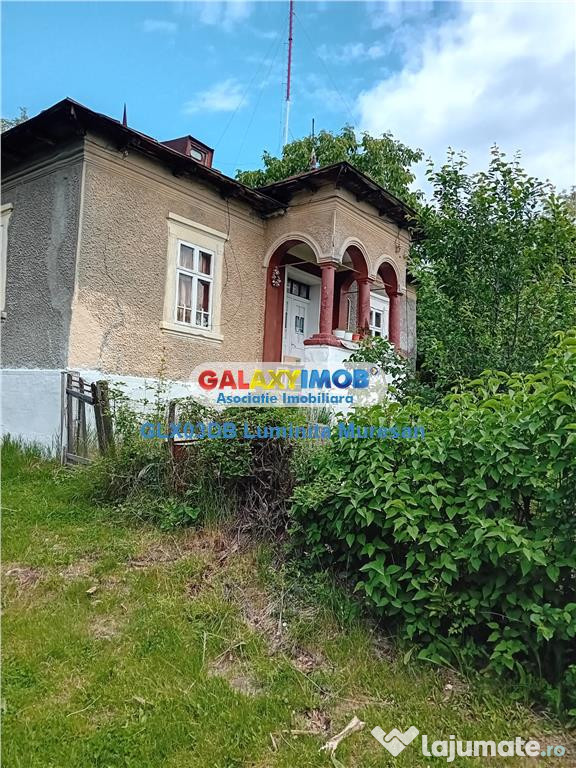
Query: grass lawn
125, 646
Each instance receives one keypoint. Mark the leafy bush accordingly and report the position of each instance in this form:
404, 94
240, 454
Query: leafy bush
249, 480
465, 539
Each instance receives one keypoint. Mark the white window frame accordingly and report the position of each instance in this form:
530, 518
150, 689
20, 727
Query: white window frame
196, 275
183, 231
5, 213
380, 304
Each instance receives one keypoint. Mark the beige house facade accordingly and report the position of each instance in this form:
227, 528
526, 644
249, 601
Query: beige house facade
129, 258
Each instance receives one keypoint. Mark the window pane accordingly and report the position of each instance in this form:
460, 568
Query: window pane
205, 265
186, 257
203, 304
184, 290
378, 319
203, 296
184, 305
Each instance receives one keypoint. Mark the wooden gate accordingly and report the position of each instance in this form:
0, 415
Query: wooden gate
84, 405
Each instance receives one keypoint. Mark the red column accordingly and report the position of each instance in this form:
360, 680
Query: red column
327, 298
325, 336
363, 317
394, 323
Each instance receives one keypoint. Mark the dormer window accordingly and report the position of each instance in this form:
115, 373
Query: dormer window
192, 148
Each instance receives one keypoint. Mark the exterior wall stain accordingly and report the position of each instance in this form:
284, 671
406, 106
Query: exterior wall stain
41, 256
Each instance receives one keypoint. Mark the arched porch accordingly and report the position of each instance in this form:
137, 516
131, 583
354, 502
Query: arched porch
308, 297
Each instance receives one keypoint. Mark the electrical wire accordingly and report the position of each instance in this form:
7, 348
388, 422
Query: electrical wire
246, 91
323, 63
258, 99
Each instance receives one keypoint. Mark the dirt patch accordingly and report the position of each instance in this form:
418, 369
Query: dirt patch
453, 686
178, 548
230, 668
25, 576
306, 661
104, 628
81, 569
314, 721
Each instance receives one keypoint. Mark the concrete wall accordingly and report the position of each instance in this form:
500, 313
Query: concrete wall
41, 257
119, 302
31, 405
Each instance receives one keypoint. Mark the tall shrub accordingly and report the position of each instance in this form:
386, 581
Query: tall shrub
464, 540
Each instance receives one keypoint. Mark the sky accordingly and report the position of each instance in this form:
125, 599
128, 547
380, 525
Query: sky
436, 74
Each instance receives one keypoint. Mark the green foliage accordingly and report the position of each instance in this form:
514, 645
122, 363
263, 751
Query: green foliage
496, 270
381, 352
465, 540
7, 123
249, 480
384, 159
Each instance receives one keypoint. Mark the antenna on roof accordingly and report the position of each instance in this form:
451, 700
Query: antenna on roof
125, 117
313, 165
289, 75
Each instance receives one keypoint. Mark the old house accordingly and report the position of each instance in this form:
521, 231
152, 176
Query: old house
123, 256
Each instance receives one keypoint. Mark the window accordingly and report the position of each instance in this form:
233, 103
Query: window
379, 306
6, 212
192, 301
194, 286
296, 288
195, 154
376, 323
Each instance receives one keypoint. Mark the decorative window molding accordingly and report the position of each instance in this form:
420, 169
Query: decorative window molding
5, 213
192, 299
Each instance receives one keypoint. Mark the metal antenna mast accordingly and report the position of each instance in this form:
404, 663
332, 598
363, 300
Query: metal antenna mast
289, 75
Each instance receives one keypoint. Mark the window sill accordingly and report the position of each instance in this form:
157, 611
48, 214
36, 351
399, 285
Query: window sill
179, 329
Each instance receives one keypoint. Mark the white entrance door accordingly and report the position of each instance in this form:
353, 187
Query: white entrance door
296, 319
301, 308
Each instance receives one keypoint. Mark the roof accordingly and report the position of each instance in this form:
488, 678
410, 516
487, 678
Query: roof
347, 176
68, 120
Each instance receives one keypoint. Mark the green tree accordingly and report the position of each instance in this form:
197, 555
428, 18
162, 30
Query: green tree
6, 123
496, 270
386, 160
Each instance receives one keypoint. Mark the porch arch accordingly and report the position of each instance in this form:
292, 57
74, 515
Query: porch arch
276, 260
398, 274
353, 256
283, 244
387, 272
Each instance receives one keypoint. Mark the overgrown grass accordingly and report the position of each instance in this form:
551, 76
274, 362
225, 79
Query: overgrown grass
129, 647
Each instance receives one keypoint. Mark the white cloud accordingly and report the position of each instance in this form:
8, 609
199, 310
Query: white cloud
159, 25
222, 13
352, 52
225, 96
500, 72
393, 13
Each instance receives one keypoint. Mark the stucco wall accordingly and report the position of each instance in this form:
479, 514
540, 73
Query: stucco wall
331, 218
118, 307
41, 256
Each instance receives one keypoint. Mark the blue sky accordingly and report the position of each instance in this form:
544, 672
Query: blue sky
436, 74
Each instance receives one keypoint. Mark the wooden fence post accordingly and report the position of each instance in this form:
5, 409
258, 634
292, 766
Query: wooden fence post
103, 417
69, 415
